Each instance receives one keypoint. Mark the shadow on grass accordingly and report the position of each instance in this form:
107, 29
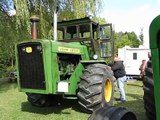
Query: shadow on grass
134, 96
5, 85
136, 105
56, 109
134, 84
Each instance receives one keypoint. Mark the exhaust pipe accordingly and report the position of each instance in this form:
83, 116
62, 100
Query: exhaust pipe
34, 19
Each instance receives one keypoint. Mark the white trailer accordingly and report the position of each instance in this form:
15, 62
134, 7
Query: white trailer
132, 58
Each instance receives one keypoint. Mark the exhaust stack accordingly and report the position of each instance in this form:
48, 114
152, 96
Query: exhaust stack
34, 19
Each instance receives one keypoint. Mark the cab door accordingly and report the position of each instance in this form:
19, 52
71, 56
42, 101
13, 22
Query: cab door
106, 41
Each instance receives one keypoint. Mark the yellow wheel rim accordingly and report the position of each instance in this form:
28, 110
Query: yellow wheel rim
108, 90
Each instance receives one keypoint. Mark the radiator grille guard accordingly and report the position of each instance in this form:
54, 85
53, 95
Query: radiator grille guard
31, 69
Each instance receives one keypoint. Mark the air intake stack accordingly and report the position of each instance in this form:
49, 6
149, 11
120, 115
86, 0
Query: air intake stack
34, 19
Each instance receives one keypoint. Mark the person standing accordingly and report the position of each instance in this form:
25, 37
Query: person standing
142, 68
120, 74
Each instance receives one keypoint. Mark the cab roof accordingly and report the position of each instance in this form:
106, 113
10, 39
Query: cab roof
82, 22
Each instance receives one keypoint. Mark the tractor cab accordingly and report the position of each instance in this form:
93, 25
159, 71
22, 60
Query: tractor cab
97, 38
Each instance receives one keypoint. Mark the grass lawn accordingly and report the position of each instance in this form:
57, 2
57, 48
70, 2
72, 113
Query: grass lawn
14, 105
134, 99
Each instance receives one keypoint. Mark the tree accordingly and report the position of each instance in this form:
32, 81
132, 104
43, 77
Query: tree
18, 28
134, 39
127, 38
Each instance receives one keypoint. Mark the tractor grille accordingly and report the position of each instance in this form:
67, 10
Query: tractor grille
31, 69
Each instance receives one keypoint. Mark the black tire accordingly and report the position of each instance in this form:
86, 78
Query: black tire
40, 100
148, 87
112, 113
96, 88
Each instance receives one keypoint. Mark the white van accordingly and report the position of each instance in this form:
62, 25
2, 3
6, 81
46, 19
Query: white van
132, 58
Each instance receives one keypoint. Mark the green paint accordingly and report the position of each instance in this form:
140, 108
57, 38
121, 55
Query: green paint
154, 33
75, 78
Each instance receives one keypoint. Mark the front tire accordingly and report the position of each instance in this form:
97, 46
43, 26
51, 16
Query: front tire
39, 100
96, 88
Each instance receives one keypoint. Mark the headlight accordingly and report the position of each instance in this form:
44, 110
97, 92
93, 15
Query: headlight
23, 49
95, 57
39, 48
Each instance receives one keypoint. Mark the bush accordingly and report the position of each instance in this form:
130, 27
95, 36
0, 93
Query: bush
4, 70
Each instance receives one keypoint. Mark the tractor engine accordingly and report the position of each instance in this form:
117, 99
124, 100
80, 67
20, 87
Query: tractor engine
67, 64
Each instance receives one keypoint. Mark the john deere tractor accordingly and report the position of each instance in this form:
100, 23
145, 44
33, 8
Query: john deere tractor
74, 65
152, 78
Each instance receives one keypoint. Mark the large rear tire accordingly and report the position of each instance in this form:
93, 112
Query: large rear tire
96, 88
148, 87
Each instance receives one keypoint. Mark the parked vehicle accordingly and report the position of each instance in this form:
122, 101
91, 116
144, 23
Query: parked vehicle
12, 76
74, 65
132, 58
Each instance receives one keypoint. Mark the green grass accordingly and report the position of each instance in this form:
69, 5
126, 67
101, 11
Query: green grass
14, 105
134, 99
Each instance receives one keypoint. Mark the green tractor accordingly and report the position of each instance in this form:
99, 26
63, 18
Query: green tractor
152, 78
73, 66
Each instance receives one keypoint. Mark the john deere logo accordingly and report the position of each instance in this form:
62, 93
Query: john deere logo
68, 50
28, 50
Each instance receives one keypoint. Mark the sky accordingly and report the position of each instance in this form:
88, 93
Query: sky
131, 15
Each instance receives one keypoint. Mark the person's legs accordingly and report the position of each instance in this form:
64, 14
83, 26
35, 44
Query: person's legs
121, 83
